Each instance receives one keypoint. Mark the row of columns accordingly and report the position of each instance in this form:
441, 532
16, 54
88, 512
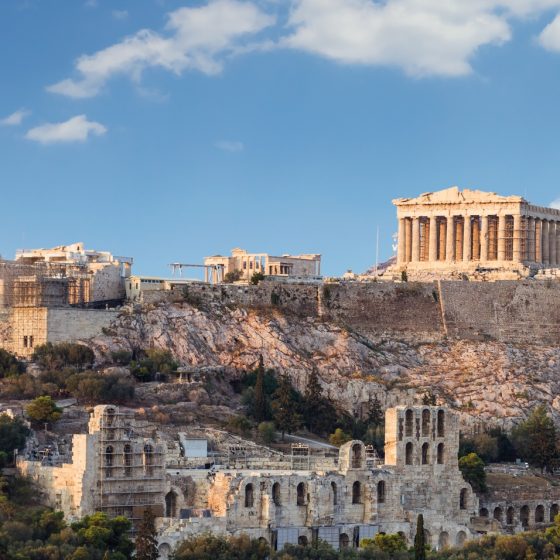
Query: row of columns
479, 238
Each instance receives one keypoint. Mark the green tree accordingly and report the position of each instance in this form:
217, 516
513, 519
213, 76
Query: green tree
211, 547
420, 539
375, 414
256, 278
284, 408
472, 468
535, 439
259, 399
390, 543
319, 413
13, 433
232, 276
43, 409
9, 364
267, 431
146, 539
64, 354
339, 437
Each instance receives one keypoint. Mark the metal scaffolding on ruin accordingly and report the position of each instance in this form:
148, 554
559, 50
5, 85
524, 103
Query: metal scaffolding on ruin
300, 457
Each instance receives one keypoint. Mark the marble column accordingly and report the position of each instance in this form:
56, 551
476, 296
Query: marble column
432, 248
530, 239
402, 242
552, 243
450, 240
501, 238
484, 238
442, 236
415, 239
517, 233
467, 242
538, 240
408, 240
557, 243
545, 243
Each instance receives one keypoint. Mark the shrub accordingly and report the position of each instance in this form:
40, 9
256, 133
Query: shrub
65, 354
233, 276
155, 361
472, 468
92, 388
256, 278
43, 409
240, 425
9, 364
121, 357
339, 437
267, 432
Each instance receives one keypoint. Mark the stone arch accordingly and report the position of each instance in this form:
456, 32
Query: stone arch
483, 512
441, 423
301, 494
426, 422
127, 460
109, 457
553, 512
357, 492
524, 516
498, 514
463, 497
334, 490
302, 540
426, 453
381, 492
460, 538
109, 416
510, 515
443, 540
440, 454
357, 459
539, 514
149, 459
249, 495
164, 551
409, 450
262, 540
171, 504
408, 423
276, 494
344, 540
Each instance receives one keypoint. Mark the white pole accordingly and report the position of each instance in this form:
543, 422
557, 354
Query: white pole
377, 251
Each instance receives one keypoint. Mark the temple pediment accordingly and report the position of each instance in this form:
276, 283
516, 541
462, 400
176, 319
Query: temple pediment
454, 195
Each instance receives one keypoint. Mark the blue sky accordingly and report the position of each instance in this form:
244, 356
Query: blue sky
170, 130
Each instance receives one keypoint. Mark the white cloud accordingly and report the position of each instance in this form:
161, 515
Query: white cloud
119, 14
90, 3
230, 146
423, 37
16, 118
196, 38
555, 204
550, 36
76, 129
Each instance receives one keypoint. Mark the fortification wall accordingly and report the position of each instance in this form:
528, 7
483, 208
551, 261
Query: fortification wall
68, 324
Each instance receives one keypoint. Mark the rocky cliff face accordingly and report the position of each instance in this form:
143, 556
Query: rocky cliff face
488, 381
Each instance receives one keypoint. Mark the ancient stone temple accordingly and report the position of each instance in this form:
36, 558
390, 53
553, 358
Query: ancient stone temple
454, 230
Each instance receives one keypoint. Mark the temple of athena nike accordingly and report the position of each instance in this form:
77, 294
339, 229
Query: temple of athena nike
467, 231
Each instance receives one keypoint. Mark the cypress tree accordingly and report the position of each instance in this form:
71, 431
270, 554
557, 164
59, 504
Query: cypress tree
420, 539
146, 540
259, 403
284, 410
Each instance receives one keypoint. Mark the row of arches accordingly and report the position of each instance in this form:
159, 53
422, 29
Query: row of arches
425, 458
302, 496
426, 420
147, 460
508, 515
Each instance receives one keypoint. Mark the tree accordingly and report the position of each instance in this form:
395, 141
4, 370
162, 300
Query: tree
13, 433
284, 408
256, 278
472, 468
535, 439
9, 364
390, 543
232, 276
259, 402
146, 539
43, 409
266, 431
375, 415
318, 412
420, 539
339, 437
429, 399
64, 354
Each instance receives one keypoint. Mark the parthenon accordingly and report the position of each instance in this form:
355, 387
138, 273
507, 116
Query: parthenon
461, 230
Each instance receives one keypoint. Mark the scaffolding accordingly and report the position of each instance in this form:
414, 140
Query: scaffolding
300, 458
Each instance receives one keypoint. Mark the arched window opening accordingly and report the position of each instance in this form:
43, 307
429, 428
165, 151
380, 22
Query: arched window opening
301, 491
408, 453
249, 496
171, 504
463, 498
109, 417
483, 512
109, 461
344, 540
441, 423
127, 460
334, 493
356, 456
461, 538
425, 454
149, 459
498, 514
425, 422
276, 494
443, 540
381, 492
440, 454
510, 514
164, 551
553, 512
408, 423
356, 493
524, 516
302, 540
539, 514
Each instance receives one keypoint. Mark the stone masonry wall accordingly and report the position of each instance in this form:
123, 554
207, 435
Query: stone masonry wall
68, 324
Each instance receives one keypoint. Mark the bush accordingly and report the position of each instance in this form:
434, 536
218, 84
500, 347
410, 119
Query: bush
93, 388
267, 432
63, 355
10, 365
233, 276
156, 361
339, 437
240, 425
43, 409
472, 468
256, 278
121, 357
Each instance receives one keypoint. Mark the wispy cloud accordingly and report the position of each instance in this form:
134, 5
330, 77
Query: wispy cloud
230, 146
76, 129
16, 118
120, 14
91, 3
197, 38
555, 203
